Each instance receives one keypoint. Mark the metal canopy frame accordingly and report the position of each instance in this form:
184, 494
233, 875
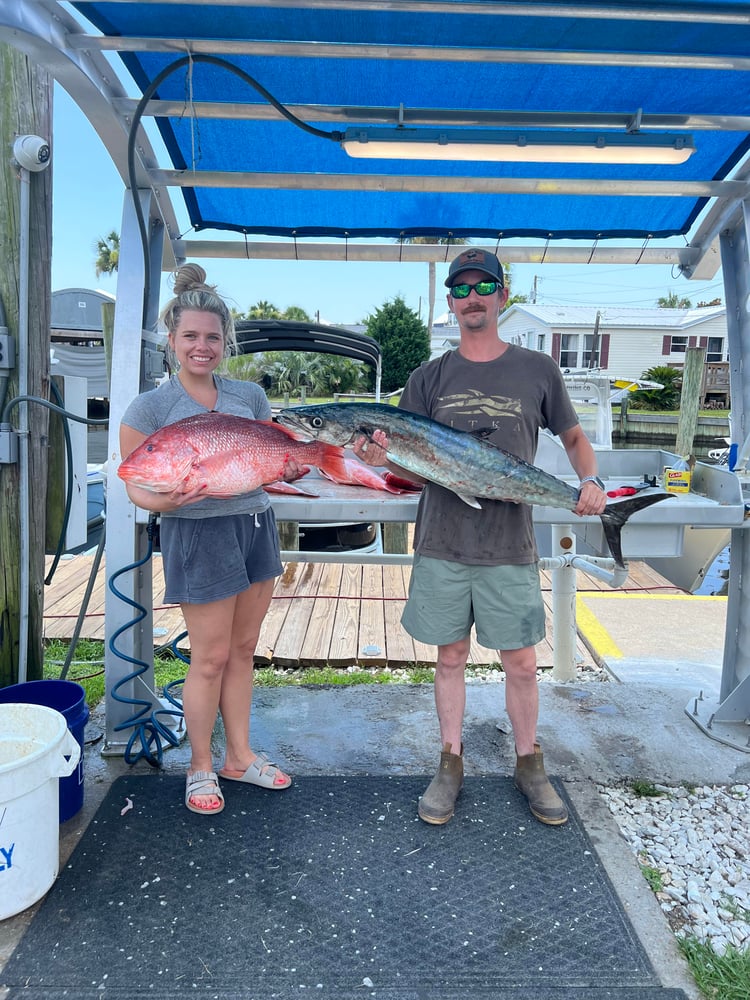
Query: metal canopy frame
716, 200
37, 26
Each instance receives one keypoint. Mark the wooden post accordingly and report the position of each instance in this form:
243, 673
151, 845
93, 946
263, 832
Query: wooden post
288, 535
692, 378
25, 109
395, 536
624, 404
108, 329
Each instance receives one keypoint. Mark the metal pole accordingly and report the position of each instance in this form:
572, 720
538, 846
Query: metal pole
23, 427
563, 606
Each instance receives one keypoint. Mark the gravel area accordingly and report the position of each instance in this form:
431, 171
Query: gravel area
697, 841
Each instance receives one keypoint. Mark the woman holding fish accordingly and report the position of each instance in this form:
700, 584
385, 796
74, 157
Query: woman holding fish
475, 562
220, 553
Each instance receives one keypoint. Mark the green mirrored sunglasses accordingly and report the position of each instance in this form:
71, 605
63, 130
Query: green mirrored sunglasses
481, 288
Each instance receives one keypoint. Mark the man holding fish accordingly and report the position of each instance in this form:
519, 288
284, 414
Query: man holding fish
219, 541
477, 564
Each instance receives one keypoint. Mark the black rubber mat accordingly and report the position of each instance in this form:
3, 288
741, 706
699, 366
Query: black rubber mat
332, 889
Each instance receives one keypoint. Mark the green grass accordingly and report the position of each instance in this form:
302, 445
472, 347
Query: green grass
653, 876
332, 676
645, 789
87, 669
719, 977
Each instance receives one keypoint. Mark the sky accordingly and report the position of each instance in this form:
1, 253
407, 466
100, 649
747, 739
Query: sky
87, 205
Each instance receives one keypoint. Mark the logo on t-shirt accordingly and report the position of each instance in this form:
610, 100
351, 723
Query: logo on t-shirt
474, 410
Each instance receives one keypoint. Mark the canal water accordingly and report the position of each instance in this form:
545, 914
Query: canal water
716, 580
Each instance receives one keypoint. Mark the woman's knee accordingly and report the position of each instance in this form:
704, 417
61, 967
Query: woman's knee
210, 665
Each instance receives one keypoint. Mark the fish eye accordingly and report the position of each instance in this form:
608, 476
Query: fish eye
149, 447
317, 421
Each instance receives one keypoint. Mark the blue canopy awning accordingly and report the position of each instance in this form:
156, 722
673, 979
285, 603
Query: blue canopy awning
242, 166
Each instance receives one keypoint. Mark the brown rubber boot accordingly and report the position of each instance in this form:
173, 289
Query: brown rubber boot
531, 781
439, 801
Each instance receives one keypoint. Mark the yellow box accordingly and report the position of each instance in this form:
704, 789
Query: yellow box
677, 480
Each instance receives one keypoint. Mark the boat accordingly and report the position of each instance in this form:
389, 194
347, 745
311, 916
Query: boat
592, 393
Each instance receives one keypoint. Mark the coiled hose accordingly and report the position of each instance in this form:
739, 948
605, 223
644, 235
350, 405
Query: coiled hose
147, 728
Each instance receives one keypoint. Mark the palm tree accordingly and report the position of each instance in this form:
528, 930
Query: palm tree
107, 253
673, 301
263, 310
297, 314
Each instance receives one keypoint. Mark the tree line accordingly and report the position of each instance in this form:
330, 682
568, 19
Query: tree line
403, 338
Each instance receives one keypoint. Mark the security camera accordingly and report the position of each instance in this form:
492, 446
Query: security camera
31, 152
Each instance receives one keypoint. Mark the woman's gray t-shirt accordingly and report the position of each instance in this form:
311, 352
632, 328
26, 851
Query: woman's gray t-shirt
170, 402
516, 394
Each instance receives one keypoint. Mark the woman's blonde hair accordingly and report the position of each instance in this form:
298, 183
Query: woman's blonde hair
192, 292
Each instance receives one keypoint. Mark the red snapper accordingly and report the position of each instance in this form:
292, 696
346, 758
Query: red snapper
232, 455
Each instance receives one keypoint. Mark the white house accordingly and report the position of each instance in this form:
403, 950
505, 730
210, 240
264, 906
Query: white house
444, 334
629, 341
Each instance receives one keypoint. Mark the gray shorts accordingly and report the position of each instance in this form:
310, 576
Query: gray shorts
208, 559
447, 598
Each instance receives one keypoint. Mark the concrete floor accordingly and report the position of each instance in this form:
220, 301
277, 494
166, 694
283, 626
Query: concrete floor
629, 723
593, 732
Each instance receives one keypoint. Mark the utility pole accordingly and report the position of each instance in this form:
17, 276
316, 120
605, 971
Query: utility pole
25, 258
594, 355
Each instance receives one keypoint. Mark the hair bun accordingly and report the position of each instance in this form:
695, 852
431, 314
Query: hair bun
191, 276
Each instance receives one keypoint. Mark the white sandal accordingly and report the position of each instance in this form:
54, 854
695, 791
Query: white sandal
203, 783
262, 772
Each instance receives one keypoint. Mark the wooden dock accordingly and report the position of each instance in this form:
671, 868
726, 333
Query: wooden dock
339, 614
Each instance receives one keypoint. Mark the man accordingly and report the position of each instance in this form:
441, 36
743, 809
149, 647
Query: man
479, 567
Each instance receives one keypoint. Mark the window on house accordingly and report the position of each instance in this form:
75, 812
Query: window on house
678, 345
569, 350
540, 342
715, 349
588, 344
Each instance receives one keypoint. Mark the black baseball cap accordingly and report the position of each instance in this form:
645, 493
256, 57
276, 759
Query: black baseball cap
476, 260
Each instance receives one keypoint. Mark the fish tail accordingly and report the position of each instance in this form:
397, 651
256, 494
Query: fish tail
615, 515
333, 463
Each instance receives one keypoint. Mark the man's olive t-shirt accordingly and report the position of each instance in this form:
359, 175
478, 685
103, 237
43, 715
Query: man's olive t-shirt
516, 394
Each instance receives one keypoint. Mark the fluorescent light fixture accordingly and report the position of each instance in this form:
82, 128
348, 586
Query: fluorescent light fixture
533, 146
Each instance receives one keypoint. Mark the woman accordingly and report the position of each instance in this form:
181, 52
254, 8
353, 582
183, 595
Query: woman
220, 556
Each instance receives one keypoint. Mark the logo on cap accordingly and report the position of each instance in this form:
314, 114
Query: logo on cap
478, 260
469, 256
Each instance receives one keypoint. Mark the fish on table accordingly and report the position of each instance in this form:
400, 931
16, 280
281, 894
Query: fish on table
461, 461
359, 474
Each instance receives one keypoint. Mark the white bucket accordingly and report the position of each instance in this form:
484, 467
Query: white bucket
36, 750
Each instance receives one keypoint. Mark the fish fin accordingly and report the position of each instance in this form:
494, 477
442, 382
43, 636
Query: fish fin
471, 501
292, 435
482, 432
283, 487
615, 515
333, 464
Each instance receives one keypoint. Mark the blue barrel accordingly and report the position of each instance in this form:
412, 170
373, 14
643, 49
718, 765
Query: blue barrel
69, 699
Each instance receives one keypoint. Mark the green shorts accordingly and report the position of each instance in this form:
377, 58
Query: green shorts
447, 598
